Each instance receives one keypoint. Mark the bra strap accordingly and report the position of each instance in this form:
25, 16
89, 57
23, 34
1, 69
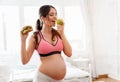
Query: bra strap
40, 34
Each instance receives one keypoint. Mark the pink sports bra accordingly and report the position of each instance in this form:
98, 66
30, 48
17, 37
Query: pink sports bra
46, 49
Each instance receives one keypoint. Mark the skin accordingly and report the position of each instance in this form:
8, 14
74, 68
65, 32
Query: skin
54, 65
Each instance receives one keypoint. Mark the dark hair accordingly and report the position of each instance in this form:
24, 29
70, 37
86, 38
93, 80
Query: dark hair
44, 11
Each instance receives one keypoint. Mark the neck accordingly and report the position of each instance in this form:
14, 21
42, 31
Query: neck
46, 29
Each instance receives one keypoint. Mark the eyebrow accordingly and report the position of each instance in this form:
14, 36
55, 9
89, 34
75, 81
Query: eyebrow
53, 13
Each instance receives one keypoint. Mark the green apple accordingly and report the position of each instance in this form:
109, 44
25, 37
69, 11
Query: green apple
60, 22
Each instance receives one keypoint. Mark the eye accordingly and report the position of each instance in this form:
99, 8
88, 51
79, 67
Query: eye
53, 14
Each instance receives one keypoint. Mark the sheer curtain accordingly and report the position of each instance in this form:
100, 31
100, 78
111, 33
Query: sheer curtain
87, 15
9, 34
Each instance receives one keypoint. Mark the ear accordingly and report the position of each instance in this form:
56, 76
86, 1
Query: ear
43, 19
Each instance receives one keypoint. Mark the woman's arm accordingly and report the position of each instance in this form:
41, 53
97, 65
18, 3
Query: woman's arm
26, 53
66, 46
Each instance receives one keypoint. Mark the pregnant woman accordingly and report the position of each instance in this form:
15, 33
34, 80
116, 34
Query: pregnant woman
49, 43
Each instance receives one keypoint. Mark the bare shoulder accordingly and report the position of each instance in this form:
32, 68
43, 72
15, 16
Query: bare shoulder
36, 36
32, 38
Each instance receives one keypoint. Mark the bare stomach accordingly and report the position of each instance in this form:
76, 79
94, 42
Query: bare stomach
53, 66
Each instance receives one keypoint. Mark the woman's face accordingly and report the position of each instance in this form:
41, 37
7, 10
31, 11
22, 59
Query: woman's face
50, 19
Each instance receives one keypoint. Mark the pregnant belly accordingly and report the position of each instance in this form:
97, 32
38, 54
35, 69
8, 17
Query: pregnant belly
54, 67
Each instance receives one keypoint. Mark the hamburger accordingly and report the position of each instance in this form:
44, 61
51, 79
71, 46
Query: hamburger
27, 29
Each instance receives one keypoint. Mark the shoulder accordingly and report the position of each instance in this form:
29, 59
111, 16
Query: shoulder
36, 36
32, 37
36, 33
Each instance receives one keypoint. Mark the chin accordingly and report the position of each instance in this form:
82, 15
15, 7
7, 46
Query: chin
52, 25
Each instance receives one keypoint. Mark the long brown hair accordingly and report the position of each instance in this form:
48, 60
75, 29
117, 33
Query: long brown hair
44, 11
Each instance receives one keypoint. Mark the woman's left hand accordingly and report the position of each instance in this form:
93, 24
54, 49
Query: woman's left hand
60, 29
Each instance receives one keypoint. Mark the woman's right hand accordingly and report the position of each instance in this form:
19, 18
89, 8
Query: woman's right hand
23, 36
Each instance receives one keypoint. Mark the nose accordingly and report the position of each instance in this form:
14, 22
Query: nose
55, 17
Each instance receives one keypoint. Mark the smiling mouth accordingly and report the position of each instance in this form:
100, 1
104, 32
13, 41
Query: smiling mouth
53, 21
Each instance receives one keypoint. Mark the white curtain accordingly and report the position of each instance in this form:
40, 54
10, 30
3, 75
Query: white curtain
85, 5
103, 21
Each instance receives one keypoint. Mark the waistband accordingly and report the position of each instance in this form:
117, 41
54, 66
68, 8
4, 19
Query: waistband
46, 77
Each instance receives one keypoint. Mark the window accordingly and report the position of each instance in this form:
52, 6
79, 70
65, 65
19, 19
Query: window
75, 28
9, 28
